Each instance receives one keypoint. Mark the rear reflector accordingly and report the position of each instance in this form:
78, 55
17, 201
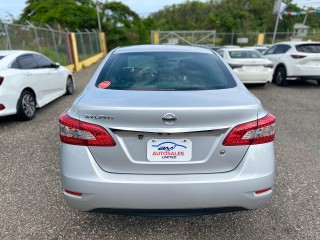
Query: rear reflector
81, 133
255, 132
262, 191
297, 56
73, 193
1, 80
2, 107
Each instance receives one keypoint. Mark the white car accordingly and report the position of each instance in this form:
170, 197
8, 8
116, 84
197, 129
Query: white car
29, 80
258, 48
295, 61
249, 65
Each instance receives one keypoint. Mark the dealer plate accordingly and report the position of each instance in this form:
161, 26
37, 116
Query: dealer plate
169, 150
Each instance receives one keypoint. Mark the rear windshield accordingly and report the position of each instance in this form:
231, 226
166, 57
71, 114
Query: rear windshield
245, 54
308, 48
165, 71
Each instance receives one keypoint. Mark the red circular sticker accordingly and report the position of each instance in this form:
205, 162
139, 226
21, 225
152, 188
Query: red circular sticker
104, 84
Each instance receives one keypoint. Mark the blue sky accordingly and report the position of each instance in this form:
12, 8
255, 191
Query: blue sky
142, 7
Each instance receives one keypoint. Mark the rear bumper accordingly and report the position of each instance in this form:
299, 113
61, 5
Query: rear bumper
255, 77
303, 72
102, 190
10, 103
303, 78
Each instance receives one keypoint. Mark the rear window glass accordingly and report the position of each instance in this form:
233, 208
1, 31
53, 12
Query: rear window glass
245, 54
308, 48
171, 71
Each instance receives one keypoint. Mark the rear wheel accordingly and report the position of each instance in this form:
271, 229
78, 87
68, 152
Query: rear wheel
281, 76
69, 86
26, 108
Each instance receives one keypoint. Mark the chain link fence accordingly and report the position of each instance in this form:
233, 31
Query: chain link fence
88, 44
52, 43
219, 39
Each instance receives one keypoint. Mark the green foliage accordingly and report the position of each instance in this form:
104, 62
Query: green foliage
123, 26
227, 16
66, 13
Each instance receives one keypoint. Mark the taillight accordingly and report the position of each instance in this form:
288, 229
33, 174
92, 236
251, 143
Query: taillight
233, 66
1, 80
77, 132
298, 56
255, 132
268, 65
2, 107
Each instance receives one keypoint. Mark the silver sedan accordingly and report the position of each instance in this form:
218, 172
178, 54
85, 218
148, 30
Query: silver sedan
166, 129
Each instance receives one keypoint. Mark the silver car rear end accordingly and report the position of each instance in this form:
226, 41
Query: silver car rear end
130, 174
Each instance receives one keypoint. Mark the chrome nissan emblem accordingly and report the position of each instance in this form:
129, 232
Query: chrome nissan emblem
169, 119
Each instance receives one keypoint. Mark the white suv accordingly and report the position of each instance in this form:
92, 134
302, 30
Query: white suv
295, 61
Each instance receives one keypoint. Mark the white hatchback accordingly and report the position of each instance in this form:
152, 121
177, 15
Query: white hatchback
248, 64
29, 80
295, 61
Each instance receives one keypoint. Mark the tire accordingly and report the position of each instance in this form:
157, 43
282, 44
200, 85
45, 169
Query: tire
69, 86
280, 77
26, 106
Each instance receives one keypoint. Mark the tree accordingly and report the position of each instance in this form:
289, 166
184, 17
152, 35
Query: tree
122, 25
66, 13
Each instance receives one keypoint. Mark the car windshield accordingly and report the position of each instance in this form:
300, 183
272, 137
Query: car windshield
245, 54
308, 48
164, 71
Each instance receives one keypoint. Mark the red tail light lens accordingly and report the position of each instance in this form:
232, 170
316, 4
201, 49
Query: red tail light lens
76, 132
297, 56
1, 80
77, 194
255, 132
262, 191
2, 107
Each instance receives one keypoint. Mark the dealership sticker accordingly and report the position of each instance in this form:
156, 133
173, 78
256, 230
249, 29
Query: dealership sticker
173, 150
104, 84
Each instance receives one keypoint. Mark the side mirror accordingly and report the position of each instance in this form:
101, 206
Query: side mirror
56, 65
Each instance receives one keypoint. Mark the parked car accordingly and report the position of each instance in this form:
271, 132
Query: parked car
29, 80
166, 128
214, 48
259, 49
249, 65
295, 61
231, 46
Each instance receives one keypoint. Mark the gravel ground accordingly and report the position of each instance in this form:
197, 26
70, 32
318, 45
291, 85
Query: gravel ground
32, 206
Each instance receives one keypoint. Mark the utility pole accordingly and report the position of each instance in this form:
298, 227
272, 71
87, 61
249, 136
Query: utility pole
98, 15
275, 29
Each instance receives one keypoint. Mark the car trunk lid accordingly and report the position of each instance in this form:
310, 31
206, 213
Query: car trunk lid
136, 120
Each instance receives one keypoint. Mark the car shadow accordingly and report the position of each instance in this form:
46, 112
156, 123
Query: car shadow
291, 84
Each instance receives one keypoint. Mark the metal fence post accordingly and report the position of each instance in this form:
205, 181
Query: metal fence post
90, 42
83, 46
232, 35
8, 36
54, 42
97, 40
36, 34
